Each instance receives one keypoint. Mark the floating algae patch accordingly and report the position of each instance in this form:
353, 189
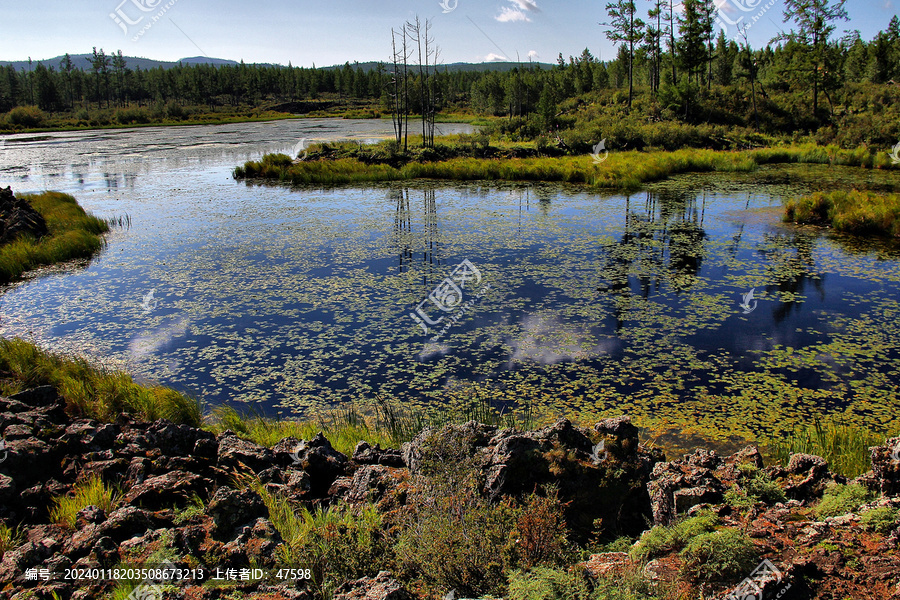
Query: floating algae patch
295, 299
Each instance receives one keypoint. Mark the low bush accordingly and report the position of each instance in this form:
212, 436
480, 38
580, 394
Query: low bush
882, 519
26, 116
724, 555
842, 499
545, 583
662, 539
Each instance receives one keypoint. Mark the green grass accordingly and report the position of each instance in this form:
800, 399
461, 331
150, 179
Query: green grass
851, 211
96, 392
73, 233
844, 447
452, 159
10, 538
89, 492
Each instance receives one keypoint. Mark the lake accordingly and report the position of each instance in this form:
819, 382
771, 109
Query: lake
293, 299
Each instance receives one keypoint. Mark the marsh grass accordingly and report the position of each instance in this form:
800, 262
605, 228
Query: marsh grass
845, 447
96, 392
73, 233
453, 160
856, 212
381, 421
337, 543
89, 492
10, 538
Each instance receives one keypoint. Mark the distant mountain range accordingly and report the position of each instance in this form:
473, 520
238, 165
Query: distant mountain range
83, 61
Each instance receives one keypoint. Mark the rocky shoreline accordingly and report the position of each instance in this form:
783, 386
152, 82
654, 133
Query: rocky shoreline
608, 490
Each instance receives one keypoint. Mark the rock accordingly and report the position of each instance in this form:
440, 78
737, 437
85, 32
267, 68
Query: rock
89, 514
27, 555
372, 482
164, 491
807, 477
44, 395
679, 485
229, 508
322, 462
381, 587
607, 563
364, 454
18, 217
886, 466
233, 453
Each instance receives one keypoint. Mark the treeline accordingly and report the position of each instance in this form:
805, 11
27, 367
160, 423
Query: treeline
669, 67
109, 83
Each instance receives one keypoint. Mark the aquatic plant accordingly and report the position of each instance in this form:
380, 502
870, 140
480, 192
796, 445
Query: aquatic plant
857, 212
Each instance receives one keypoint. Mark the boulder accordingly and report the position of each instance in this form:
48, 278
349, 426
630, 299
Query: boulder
381, 587
233, 453
230, 508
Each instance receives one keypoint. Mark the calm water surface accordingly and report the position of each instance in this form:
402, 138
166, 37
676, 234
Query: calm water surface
291, 299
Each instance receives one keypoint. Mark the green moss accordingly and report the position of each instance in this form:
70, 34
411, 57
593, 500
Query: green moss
727, 554
662, 539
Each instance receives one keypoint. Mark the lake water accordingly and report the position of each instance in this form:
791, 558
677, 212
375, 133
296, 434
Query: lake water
290, 299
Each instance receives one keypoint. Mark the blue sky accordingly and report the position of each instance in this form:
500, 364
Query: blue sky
325, 33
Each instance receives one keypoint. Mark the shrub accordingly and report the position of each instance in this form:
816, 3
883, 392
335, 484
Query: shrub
880, 520
548, 584
89, 492
26, 116
754, 486
662, 539
841, 500
723, 555
540, 533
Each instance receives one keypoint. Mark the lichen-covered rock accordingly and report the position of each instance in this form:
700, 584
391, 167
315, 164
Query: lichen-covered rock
381, 587
229, 508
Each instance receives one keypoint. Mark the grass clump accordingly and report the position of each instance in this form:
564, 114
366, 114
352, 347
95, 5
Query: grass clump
724, 555
98, 393
195, 508
73, 233
841, 500
844, 447
853, 211
543, 583
882, 519
337, 544
667, 538
10, 537
89, 492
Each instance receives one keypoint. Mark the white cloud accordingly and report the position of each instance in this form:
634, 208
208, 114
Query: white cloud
494, 58
511, 15
516, 12
534, 54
